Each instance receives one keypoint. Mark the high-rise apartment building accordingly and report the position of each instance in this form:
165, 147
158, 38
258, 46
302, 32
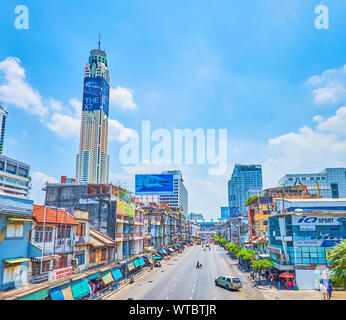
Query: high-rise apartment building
179, 199
243, 178
92, 164
329, 183
14, 177
3, 117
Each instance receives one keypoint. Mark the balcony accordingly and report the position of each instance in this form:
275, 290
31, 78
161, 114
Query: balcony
80, 240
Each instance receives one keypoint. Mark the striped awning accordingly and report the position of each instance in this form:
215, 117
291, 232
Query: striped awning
107, 277
16, 260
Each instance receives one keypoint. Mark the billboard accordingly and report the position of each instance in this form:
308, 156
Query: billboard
318, 231
96, 95
225, 212
154, 184
124, 194
125, 209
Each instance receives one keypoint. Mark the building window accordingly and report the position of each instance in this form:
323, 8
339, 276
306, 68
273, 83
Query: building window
38, 234
81, 258
92, 256
81, 229
64, 232
14, 230
104, 254
11, 274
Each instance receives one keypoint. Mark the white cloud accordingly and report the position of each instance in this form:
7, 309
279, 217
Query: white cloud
334, 124
123, 98
42, 178
307, 150
64, 126
118, 132
16, 90
330, 86
77, 105
55, 105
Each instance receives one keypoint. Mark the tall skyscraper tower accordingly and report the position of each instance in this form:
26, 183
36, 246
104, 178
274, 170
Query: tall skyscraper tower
243, 178
92, 165
3, 117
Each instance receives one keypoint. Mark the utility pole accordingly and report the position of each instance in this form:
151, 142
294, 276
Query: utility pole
44, 234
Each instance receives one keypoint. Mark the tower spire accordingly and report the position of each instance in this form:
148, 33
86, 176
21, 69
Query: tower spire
99, 41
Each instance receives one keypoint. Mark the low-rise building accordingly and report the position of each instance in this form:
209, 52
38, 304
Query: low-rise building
15, 225
52, 241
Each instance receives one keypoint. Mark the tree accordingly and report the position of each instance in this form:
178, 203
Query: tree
338, 263
261, 265
251, 200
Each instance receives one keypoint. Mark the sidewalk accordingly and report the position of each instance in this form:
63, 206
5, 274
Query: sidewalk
275, 294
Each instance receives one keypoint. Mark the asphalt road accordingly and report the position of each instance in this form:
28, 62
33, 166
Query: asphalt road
178, 279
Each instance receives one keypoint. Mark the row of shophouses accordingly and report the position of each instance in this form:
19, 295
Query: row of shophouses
81, 227
296, 230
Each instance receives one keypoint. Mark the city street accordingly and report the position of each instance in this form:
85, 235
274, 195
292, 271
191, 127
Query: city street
178, 279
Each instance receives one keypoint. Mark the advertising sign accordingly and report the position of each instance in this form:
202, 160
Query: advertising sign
124, 194
124, 209
59, 273
319, 221
155, 184
225, 212
96, 95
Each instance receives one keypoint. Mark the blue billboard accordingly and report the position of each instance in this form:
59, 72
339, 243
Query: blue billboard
154, 184
225, 212
96, 95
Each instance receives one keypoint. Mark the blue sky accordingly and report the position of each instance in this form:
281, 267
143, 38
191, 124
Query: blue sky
240, 65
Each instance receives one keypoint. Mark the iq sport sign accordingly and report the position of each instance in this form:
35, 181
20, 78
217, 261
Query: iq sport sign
154, 184
321, 231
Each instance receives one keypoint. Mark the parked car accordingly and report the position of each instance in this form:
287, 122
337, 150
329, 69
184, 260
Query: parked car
230, 283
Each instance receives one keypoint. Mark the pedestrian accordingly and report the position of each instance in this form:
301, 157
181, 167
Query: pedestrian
270, 281
289, 285
324, 292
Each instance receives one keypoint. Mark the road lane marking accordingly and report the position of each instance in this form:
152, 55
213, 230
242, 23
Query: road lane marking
240, 295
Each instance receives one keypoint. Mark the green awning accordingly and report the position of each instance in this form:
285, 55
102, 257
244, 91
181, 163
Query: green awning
19, 220
157, 258
141, 261
16, 260
117, 275
136, 263
93, 276
80, 289
38, 295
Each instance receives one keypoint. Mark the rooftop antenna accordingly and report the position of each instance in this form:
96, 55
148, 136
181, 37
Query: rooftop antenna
99, 41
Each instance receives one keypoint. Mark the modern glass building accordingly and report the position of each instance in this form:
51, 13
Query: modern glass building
92, 163
329, 183
243, 178
180, 197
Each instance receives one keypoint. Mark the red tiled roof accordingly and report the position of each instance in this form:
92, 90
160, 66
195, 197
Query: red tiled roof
53, 216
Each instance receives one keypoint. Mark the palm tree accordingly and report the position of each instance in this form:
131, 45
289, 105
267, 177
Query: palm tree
338, 263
